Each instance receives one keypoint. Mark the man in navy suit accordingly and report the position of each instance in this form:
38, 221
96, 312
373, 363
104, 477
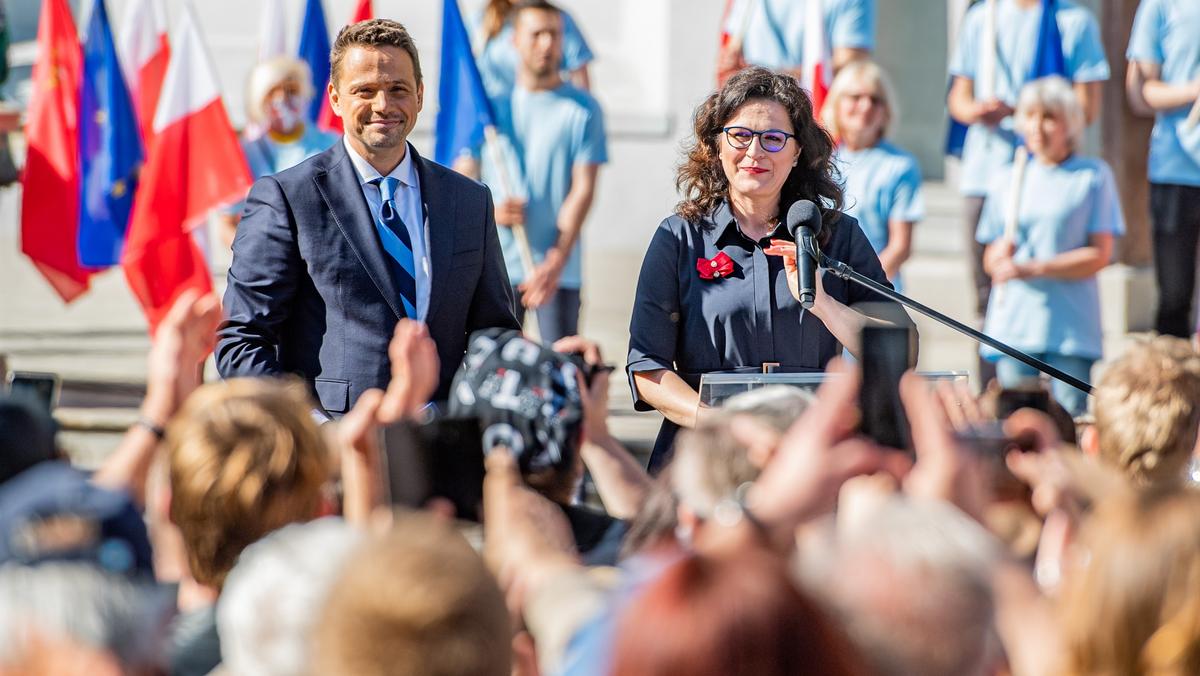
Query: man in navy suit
333, 252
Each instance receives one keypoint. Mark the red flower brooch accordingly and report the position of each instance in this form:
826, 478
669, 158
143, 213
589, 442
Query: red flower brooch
719, 266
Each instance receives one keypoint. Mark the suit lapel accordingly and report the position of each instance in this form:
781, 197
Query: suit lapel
441, 215
340, 188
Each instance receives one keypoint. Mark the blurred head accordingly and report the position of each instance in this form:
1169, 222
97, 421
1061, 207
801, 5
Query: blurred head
278, 94
1131, 597
538, 34
375, 84
245, 458
911, 584
1147, 410
861, 104
737, 614
416, 600
1051, 118
273, 598
788, 164
527, 398
26, 436
104, 622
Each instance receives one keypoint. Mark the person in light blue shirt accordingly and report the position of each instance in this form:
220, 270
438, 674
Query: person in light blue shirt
496, 54
1164, 81
882, 181
543, 170
276, 135
770, 33
1046, 300
991, 136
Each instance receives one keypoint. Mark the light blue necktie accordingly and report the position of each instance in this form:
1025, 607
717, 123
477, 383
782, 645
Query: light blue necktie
397, 243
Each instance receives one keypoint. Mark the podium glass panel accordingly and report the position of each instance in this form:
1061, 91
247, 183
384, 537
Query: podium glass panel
715, 388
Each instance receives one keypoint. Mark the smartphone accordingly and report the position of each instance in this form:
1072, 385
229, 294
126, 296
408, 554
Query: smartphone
39, 388
442, 458
886, 355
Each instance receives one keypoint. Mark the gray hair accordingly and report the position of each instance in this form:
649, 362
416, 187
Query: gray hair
775, 405
273, 597
270, 74
84, 605
1055, 95
911, 582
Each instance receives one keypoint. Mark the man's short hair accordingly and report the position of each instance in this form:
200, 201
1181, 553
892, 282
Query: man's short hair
1148, 410
245, 458
416, 600
373, 33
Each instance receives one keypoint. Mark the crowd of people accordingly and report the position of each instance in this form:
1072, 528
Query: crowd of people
392, 477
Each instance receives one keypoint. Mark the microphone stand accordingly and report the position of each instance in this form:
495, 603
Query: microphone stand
844, 271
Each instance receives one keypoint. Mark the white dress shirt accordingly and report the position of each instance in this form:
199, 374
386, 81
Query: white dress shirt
408, 205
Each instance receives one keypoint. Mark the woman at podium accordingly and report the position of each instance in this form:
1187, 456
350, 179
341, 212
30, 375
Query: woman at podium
718, 290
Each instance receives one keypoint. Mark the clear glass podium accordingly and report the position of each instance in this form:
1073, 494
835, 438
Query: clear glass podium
715, 388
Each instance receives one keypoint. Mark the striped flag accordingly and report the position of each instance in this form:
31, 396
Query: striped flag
144, 55
328, 120
817, 64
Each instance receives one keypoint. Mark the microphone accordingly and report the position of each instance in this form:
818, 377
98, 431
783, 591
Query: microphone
804, 225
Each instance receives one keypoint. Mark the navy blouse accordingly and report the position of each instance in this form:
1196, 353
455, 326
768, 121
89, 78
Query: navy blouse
734, 324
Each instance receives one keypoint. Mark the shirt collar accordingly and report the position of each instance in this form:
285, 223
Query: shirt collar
405, 172
725, 225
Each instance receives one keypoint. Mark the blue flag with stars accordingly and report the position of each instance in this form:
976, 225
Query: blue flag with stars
110, 148
314, 50
464, 111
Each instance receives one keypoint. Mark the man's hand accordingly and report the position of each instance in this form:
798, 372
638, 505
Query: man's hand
415, 370
543, 281
510, 212
185, 338
992, 112
595, 396
357, 436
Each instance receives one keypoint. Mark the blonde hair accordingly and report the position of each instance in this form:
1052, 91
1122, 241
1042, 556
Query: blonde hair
1056, 96
416, 600
870, 74
1132, 606
1147, 407
270, 74
245, 458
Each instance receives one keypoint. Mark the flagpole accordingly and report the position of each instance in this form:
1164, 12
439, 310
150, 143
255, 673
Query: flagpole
1193, 117
524, 251
1012, 214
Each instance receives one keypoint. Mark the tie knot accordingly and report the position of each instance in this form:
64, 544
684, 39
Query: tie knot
387, 187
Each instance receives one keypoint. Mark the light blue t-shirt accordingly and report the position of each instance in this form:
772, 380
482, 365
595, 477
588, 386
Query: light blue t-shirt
882, 183
1060, 207
267, 156
775, 33
498, 58
549, 133
986, 149
1167, 32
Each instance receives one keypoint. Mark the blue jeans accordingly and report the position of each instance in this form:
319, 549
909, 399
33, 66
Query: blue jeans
1012, 373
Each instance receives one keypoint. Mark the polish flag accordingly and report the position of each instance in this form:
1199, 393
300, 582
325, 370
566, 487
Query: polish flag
272, 40
144, 57
196, 164
817, 68
327, 120
50, 180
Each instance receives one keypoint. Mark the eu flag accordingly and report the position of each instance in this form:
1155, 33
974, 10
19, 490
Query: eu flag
463, 108
1048, 59
314, 49
110, 148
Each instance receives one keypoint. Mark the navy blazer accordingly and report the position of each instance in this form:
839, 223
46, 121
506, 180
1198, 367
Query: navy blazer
311, 292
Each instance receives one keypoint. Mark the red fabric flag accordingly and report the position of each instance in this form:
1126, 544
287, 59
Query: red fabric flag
195, 165
144, 57
50, 201
818, 63
327, 120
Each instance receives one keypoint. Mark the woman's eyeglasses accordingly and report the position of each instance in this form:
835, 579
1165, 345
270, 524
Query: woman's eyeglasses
771, 140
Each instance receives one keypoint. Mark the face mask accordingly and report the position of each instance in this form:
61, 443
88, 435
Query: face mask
284, 114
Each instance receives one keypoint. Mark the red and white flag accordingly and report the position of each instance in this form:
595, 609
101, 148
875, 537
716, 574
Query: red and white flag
272, 38
818, 65
50, 180
327, 120
195, 164
144, 57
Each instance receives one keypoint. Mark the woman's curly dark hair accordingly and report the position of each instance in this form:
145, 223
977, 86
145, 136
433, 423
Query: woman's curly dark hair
700, 177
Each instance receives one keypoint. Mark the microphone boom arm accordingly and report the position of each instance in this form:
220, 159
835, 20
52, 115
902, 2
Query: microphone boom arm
844, 271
